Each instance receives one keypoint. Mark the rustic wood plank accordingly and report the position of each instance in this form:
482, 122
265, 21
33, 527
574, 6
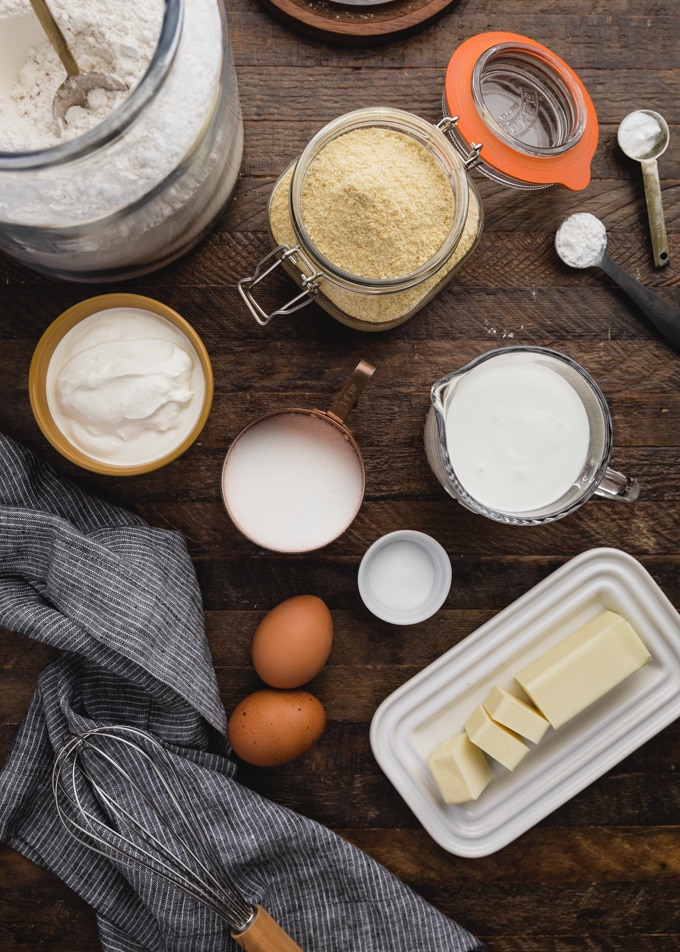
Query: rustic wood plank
602, 872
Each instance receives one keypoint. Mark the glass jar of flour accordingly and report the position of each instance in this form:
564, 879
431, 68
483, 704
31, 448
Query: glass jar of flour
132, 180
371, 220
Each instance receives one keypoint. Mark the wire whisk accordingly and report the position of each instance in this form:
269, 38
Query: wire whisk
118, 793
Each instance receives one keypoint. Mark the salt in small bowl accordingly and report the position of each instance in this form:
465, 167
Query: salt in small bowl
404, 577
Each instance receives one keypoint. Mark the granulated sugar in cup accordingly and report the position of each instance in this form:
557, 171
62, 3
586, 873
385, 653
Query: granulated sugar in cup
294, 480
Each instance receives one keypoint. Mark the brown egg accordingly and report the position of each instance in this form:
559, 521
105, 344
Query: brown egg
269, 728
292, 642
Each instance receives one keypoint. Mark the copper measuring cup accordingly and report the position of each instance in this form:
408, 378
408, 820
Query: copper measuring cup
294, 479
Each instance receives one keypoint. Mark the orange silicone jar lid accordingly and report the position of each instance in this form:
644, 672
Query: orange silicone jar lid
569, 167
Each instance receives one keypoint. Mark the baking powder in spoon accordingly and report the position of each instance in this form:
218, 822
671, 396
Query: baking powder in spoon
581, 240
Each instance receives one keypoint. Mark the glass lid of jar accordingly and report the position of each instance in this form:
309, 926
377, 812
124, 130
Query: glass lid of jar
524, 109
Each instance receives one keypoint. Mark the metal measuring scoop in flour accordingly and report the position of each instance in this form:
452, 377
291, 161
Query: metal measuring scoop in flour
78, 85
581, 242
643, 136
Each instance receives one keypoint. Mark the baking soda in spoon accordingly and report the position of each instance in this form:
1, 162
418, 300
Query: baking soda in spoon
581, 242
643, 136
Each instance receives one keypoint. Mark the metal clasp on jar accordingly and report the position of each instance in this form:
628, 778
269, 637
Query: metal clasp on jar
471, 154
282, 254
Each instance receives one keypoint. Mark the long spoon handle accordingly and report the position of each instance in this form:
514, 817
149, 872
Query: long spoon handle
663, 315
55, 36
657, 224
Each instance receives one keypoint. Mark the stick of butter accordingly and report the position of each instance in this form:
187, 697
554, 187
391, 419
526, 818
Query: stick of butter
497, 741
514, 712
461, 771
584, 667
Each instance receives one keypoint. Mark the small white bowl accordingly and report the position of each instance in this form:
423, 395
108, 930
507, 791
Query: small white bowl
404, 577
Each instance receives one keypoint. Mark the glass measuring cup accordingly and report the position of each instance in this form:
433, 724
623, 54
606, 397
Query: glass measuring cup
294, 480
523, 436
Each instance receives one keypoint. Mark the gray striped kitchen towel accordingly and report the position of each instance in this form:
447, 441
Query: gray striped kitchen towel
121, 602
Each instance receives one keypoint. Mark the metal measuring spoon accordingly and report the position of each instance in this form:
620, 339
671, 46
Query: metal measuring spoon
581, 242
643, 136
78, 85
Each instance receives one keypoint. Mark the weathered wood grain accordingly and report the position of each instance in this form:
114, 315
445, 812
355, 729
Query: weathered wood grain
602, 873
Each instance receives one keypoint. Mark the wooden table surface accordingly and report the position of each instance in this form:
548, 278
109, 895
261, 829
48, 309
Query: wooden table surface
603, 871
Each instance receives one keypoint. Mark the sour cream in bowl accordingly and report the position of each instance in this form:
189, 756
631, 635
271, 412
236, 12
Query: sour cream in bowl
120, 384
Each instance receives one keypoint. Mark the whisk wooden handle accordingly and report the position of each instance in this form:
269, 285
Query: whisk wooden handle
264, 934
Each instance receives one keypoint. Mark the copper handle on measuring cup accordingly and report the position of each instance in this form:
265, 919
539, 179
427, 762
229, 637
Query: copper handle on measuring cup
348, 397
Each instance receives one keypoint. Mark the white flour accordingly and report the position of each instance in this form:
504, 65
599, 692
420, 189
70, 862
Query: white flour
101, 37
168, 175
581, 240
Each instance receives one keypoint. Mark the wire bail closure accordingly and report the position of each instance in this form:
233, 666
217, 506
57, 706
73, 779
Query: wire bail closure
280, 254
473, 158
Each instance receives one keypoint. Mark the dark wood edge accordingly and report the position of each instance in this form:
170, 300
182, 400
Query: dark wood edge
356, 25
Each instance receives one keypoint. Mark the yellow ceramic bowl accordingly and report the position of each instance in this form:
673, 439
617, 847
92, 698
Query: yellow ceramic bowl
38, 373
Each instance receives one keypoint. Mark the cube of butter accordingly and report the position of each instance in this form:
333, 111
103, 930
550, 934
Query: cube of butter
497, 741
514, 712
461, 771
583, 667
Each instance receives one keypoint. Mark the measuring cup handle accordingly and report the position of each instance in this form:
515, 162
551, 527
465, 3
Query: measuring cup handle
657, 224
615, 485
663, 315
350, 393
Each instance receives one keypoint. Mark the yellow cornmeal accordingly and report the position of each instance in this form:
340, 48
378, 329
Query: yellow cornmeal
377, 203
376, 243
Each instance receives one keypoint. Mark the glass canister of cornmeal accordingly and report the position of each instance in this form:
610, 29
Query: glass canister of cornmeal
133, 180
378, 211
371, 220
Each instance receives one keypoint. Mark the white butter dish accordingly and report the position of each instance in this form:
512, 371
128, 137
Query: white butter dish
410, 723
